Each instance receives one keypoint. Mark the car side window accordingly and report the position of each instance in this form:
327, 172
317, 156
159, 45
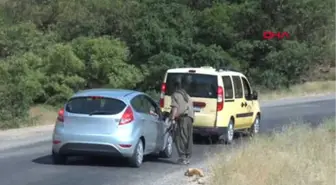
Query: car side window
247, 88
238, 89
137, 104
228, 89
151, 107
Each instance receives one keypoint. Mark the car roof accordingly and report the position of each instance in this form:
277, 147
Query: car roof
124, 94
205, 70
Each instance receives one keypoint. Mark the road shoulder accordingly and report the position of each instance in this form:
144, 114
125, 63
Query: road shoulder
25, 136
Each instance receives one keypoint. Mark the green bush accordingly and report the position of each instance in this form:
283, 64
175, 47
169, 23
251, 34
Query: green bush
51, 49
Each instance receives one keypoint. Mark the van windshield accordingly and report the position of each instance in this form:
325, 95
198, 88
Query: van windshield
202, 85
94, 105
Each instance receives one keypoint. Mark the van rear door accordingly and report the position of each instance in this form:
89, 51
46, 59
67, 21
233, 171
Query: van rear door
203, 91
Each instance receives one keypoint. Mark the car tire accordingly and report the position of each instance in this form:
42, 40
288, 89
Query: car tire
255, 128
138, 155
168, 151
58, 158
227, 136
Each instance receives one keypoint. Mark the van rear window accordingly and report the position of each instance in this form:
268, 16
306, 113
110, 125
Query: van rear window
202, 85
95, 105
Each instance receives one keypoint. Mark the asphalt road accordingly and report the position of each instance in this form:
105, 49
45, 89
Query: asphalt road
31, 165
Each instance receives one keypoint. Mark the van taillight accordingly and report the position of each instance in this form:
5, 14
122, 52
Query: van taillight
127, 117
60, 116
220, 98
163, 91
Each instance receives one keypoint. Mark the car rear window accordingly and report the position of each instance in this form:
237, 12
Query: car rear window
202, 85
97, 105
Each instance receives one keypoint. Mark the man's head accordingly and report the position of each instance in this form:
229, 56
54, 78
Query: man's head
177, 82
186, 80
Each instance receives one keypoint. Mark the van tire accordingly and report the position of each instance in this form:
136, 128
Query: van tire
255, 128
227, 136
138, 155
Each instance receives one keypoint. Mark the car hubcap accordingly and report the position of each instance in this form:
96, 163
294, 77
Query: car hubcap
140, 153
169, 144
256, 125
230, 132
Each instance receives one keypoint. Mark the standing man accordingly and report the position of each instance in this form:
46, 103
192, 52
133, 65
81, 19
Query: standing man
182, 112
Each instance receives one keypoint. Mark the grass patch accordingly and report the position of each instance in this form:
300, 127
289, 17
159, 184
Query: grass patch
38, 115
309, 88
302, 156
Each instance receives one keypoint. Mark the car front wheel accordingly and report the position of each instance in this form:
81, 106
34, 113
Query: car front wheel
167, 152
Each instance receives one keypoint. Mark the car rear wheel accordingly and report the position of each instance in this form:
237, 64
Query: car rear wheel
227, 137
137, 158
58, 158
168, 151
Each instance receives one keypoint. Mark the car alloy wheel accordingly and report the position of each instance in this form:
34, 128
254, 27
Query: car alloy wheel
139, 153
170, 145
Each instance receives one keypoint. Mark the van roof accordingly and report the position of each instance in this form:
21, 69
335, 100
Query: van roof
204, 70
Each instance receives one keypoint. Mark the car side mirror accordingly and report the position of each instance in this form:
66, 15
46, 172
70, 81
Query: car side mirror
254, 95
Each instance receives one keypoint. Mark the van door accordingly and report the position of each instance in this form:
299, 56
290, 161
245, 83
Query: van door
239, 105
248, 100
229, 101
203, 92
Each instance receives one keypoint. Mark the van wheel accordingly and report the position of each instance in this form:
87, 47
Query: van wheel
227, 137
168, 151
58, 158
255, 128
138, 154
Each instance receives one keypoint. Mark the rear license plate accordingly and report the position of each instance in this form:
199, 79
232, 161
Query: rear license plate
197, 109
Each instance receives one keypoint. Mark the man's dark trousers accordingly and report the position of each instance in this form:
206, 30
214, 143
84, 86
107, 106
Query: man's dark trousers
184, 136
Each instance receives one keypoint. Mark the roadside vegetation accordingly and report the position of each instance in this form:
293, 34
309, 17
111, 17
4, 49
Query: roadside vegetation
302, 156
48, 51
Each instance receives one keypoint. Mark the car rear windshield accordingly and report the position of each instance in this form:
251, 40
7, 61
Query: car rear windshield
202, 85
94, 105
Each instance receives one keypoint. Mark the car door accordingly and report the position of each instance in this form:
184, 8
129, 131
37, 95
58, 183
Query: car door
239, 103
152, 118
158, 128
141, 111
248, 99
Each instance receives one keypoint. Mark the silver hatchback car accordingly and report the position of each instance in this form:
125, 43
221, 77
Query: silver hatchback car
111, 122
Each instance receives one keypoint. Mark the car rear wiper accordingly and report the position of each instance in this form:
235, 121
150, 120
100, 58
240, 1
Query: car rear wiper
100, 112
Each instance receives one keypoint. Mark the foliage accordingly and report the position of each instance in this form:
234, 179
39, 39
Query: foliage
51, 49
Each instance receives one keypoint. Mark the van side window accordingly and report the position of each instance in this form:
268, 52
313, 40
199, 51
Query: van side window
247, 88
228, 90
237, 84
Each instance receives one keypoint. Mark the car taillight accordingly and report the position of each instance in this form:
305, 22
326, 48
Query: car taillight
60, 116
127, 117
220, 98
163, 91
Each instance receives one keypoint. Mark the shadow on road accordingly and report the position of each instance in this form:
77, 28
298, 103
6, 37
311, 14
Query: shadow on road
199, 140
99, 161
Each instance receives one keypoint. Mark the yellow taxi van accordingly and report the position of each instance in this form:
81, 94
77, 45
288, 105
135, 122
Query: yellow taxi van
223, 100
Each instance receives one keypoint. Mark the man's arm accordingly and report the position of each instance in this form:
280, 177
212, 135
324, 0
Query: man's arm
174, 106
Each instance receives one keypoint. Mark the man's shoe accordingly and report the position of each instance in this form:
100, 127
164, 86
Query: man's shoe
186, 161
180, 161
